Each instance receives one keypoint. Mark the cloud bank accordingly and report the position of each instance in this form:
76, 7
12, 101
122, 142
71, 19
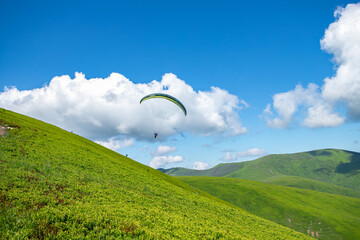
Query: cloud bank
200, 165
231, 157
117, 143
102, 109
342, 40
164, 150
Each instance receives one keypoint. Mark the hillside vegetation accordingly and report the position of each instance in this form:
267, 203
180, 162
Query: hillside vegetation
338, 170
334, 166
307, 183
57, 185
326, 216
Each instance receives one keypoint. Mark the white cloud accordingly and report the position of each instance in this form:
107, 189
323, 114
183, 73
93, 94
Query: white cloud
200, 165
164, 150
103, 108
161, 158
229, 157
287, 103
321, 115
342, 40
319, 112
116, 143
160, 161
267, 110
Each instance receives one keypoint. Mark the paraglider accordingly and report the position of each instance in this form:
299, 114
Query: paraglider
167, 97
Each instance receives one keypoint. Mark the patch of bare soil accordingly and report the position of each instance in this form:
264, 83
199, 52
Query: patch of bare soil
2, 131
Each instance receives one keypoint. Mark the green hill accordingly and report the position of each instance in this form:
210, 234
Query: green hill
57, 185
334, 166
331, 166
329, 216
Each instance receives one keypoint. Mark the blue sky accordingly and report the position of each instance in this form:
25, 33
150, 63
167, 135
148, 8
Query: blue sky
252, 51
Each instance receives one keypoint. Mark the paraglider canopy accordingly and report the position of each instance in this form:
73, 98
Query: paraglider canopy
167, 97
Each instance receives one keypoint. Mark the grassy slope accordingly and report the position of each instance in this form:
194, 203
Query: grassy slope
306, 183
332, 216
54, 184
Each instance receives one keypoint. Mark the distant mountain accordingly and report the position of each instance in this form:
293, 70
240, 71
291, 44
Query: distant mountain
220, 170
331, 166
57, 185
322, 215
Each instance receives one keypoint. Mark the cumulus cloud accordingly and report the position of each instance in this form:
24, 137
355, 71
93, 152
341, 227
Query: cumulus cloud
116, 143
161, 157
322, 115
103, 108
200, 165
164, 150
160, 161
230, 157
342, 40
319, 111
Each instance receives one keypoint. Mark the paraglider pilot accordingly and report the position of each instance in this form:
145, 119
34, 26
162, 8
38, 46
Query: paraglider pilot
167, 97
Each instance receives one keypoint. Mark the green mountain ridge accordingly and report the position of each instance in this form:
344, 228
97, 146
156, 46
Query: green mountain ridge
329, 166
57, 185
219, 170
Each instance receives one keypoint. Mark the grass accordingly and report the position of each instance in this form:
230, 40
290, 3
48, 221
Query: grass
57, 185
307, 183
329, 216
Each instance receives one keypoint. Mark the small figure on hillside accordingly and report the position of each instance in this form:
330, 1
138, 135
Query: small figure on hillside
155, 134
